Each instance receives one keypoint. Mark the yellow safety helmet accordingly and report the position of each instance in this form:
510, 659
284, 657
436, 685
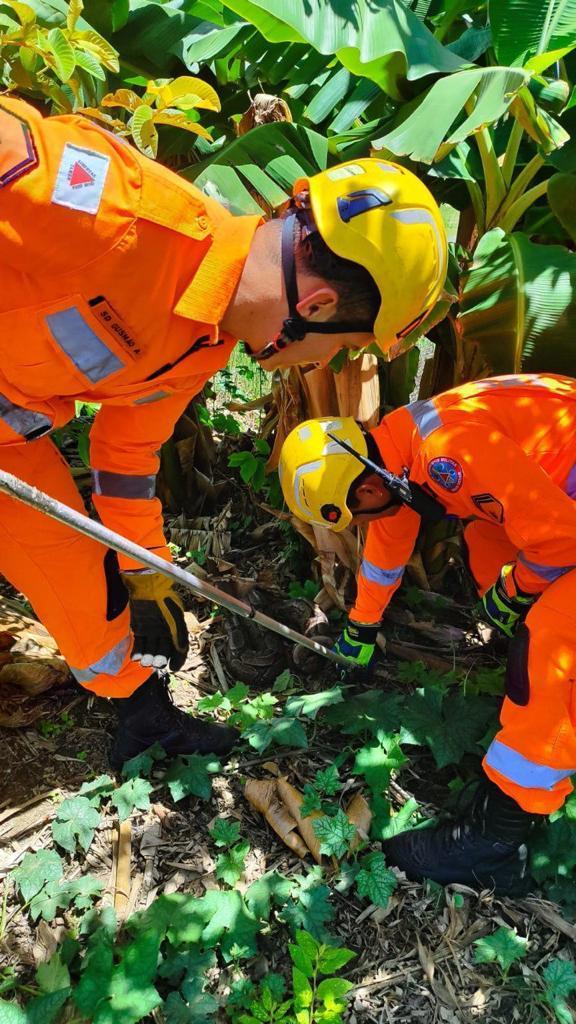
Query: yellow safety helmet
316, 473
380, 215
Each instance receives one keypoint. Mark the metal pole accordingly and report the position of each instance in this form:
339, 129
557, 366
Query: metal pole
42, 502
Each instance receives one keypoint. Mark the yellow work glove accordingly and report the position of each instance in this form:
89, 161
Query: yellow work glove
157, 619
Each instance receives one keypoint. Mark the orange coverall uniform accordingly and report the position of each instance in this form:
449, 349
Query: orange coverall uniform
115, 275
501, 455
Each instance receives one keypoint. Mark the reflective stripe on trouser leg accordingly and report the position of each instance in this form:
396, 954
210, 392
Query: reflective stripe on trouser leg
61, 572
24, 422
534, 754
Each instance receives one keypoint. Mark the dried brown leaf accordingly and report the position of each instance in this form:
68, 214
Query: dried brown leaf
293, 800
263, 795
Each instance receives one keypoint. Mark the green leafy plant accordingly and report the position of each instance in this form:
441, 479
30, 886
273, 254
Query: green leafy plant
335, 833
252, 465
503, 947
375, 881
74, 823
230, 863
315, 1000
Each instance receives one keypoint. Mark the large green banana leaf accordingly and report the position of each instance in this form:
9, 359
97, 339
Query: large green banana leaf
264, 163
519, 305
431, 121
378, 39
523, 28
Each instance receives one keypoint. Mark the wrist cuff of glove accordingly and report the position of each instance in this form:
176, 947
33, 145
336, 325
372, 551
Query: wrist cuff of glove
359, 633
509, 591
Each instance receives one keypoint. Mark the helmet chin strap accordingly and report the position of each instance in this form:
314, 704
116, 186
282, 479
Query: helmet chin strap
403, 490
296, 327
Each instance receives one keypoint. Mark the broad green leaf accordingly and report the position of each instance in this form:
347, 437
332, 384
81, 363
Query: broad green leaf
327, 780
127, 99
107, 16
560, 978
75, 8
190, 776
53, 975
375, 881
97, 789
35, 870
94, 43
284, 731
267, 160
303, 993
176, 119
503, 947
377, 39
142, 763
519, 304
143, 131
311, 802
449, 724
61, 894
522, 28
225, 831
335, 834
198, 1007
185, 93
376, 761
367, 712
229, 923
270, 888
75, 822
134, 793
331, 990
309, 704
230, 865
63, 53
385, 825
11, 1013
24, 12
130, 995
310, 907
562, 200
45, 1009
435, 124
332, 959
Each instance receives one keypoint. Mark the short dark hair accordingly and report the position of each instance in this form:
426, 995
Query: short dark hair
358, 295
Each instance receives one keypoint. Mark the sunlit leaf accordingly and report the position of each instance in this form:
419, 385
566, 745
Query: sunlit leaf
63, 53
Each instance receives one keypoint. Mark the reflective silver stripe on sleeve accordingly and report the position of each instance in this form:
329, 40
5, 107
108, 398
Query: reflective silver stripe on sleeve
123, 485
157, 396
425, 416
25, 422
385, 577
82, 345
546, 572
110, 664
519, 769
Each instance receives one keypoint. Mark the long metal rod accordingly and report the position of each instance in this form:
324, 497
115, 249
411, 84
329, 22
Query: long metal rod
42, 502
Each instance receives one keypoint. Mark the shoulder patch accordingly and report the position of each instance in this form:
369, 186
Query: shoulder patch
490, 506
446, 472
17, 151
81, 178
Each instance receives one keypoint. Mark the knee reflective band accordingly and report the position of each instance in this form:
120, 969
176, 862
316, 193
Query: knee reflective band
110, 664
522, 771
25, 422
385, 577
123, 485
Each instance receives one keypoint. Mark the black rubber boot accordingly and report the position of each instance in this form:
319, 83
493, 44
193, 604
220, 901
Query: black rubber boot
485, 848
148, 716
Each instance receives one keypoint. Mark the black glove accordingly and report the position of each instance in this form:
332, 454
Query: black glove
157, 619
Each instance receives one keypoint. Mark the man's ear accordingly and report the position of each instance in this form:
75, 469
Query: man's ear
320, 304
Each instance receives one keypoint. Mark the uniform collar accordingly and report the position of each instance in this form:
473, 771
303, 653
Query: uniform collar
208, 295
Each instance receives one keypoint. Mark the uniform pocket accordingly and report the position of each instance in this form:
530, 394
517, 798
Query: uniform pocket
59, 348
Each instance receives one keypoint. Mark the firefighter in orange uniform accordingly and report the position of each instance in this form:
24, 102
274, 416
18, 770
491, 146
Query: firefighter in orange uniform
499, 454
123, 284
